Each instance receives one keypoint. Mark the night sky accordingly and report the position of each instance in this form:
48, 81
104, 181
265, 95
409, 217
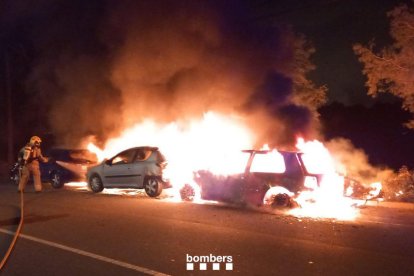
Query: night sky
373, 124
46, 36
334, 26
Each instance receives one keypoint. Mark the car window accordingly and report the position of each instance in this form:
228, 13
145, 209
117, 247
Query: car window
315, 164
160, 157
60, 155
124, 157
79, 156
143, 154
293, 166
272, 162
82, 156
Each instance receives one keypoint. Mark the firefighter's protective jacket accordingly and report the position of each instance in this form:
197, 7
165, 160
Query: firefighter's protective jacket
32, 153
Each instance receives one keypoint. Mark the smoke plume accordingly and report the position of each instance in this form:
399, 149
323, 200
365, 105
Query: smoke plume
106, 65
354, 163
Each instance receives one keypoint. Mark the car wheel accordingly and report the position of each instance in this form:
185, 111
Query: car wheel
277, 197
152, 186
280, 200
56, 180
95, 183
15, 178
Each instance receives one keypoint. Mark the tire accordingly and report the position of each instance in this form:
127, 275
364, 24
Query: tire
15, 174
15, 178
281, 200
152, 186
278, 197
56, 180
95, 184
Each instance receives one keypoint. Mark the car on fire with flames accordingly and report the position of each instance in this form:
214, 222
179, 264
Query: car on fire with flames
64, 165
270, 177
138, 168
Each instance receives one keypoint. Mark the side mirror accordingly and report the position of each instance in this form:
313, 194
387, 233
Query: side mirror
108, 162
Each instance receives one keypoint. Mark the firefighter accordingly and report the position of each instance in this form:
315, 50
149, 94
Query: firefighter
32, 154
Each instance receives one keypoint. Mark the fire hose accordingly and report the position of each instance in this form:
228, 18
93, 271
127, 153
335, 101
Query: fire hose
16, 235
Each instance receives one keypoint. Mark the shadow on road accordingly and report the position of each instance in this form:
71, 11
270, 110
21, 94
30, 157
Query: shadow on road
10, 215
33, 218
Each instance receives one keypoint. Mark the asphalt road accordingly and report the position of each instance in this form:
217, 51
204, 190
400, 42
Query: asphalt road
76, 232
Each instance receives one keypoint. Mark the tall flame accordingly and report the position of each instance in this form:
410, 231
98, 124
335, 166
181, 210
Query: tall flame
326, 200
212, 143
215, 143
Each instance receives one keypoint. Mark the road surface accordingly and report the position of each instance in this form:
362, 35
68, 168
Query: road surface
72, 231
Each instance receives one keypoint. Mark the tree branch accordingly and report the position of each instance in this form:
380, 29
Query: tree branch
390, 61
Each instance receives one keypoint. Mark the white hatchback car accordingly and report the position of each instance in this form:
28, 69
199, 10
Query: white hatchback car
139, 168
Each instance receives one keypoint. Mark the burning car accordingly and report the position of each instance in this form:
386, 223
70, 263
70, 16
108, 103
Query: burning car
64, 165
138, 167
270, 177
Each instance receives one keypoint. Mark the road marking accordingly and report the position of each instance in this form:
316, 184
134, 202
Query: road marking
87, 254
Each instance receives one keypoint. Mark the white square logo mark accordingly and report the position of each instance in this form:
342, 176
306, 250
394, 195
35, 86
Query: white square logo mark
190, 266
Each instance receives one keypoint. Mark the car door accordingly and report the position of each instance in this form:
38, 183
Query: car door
140, 165
117, 170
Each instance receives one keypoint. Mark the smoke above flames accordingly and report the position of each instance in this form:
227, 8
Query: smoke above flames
353, 162
103, 66
106, 65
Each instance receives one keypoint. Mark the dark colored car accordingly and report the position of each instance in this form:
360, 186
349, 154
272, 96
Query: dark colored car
269, 177
137, 168
64, 165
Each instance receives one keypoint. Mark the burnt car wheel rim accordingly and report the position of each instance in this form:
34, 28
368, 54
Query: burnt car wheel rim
151, 186
16, 179
56, 179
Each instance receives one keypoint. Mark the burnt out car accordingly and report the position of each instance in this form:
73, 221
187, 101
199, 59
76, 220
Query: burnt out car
137, 168
270, 177
63, 166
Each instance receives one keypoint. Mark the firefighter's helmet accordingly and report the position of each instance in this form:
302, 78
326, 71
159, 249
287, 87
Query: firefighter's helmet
35, 140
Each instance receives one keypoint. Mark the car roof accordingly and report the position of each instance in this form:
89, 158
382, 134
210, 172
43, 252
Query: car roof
267, 151
142, 147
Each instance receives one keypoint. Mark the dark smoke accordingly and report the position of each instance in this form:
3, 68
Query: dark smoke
274, 96
105, 65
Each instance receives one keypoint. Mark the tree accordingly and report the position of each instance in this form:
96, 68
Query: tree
391, 69
306, 92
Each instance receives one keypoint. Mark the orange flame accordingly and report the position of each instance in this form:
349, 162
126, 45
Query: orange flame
215, 143
326, 200
212, 143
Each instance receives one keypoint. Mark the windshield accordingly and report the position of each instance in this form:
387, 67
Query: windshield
79, 156
315, 164
271, 162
